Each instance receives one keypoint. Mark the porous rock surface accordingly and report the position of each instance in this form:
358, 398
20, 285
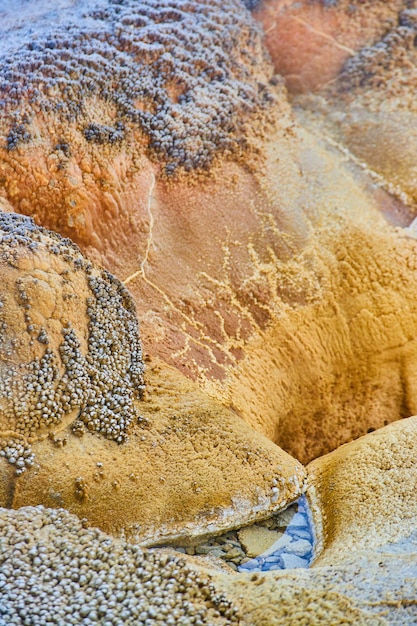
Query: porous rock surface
195, 91
69, 343
269, 270
274, 261
52, 566
364, 493
190, 468
363, 501
72, 369
243, 273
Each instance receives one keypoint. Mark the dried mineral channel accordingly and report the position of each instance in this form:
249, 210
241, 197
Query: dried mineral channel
253, 278
283, 541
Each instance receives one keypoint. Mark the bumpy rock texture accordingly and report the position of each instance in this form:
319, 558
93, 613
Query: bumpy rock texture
269, 243
54, 568
84, 577
275, 280
195, 91
190, 467
69, 342
71, 368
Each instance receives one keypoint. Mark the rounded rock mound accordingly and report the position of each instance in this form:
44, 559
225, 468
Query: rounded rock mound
69, 342
71, 368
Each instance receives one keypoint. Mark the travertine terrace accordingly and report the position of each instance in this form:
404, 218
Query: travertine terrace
78, 431
239, 177
242, 228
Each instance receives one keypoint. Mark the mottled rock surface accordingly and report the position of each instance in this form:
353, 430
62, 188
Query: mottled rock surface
187, 81
269, 244
69, 342
365, 572
189, 468
370, 108
175, 464
195, 91
266, 266
52, 566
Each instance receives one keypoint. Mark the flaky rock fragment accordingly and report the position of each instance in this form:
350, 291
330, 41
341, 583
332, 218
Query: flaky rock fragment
69, 343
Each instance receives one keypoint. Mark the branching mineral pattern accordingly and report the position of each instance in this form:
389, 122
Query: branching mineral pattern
248, 170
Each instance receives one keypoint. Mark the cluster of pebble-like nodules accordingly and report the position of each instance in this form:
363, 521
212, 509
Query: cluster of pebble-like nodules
55, 571
187, 73
251, 4
381, 65
101, 385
